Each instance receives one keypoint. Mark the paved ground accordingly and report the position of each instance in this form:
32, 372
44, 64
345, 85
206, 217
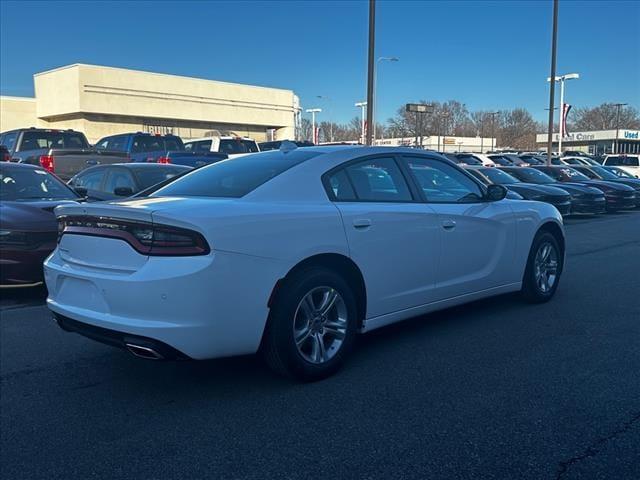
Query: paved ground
495, 389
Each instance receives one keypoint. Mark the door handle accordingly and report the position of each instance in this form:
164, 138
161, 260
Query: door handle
362, 223
448, 224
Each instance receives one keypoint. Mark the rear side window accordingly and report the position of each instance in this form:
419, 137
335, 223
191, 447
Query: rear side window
118, 143
371, 180
235, 177
236, 146
37, 140
9, 140
91, 180
172, 144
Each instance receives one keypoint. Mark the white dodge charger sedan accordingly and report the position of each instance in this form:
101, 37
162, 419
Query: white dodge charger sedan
293, 252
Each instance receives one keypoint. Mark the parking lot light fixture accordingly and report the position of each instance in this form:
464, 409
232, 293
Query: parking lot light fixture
313, 112
375, 84
363, 113
562, 79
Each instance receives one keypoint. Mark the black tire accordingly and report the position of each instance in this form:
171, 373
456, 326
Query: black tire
279, 346
531, 290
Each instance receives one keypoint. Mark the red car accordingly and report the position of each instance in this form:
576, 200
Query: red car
28, 227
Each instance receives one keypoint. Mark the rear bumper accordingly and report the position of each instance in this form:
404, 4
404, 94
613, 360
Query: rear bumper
118, 339
202, 307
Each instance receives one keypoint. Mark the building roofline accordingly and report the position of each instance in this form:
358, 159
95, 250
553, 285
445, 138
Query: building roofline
22, 99
64, 67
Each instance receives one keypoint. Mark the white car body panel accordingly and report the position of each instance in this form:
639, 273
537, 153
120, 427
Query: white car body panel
217, 304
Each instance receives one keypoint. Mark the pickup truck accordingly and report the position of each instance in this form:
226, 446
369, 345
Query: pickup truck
148, 148
63, 152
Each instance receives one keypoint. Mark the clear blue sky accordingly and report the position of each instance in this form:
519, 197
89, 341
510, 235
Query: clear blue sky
487, 54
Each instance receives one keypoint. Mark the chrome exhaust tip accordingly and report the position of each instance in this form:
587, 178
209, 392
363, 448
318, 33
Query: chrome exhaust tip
143, 352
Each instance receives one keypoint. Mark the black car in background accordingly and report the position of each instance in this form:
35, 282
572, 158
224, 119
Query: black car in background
508, 159
601, 173
584, 199
28, 227
529, 191
107, 182
617, 196
533, 159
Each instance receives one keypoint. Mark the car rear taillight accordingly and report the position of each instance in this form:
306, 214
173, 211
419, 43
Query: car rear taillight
48, 163
6, 157
164, 160
145, 237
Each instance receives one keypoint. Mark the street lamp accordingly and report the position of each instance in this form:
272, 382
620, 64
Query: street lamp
313, 112
561, 79
493, 126
375, 84
324, 97
618, 105
442, 132
363, 107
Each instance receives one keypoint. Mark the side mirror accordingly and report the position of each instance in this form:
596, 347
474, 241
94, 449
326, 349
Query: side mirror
496, 192
82, 191
123, 191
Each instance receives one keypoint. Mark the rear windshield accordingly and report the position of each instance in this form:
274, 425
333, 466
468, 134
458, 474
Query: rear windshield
32, 184
234, 177
148, 177
37, 140
499, 177
530, 175
234, 147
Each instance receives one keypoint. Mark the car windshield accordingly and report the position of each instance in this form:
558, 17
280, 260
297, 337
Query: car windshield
148, 177
37, 140
234, 177
236, 146
499, 177
469, 160
604, 173
19, 184
531, 175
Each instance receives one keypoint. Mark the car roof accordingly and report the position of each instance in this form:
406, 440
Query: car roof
14, 165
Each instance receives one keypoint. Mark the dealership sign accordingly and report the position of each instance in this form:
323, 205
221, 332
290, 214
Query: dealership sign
594, 136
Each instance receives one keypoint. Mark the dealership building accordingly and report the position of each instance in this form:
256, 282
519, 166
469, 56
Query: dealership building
443, 143
101, 101
597, 142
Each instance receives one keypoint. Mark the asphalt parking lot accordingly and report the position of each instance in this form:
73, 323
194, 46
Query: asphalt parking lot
494, 389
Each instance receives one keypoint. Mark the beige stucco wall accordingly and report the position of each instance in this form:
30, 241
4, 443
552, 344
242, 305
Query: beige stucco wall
17, 112
104, 100
101, 101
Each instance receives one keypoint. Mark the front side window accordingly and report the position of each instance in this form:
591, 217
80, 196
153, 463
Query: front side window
443, 183
378, 180
119, 178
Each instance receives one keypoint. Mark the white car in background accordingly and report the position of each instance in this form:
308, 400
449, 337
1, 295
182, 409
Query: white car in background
226, 142
628, 163
292, 252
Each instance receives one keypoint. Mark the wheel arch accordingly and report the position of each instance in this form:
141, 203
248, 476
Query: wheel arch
338, 263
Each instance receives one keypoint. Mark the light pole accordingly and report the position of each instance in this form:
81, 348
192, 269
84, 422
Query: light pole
313, 112
493, 127
324, 97
561, 79
618, 105
375, 84
552, 89
442, 115
363, 108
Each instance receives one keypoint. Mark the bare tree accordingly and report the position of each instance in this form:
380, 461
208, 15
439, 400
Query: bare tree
517, 129
305, 129
603, 117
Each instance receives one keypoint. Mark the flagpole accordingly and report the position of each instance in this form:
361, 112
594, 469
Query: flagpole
561, 111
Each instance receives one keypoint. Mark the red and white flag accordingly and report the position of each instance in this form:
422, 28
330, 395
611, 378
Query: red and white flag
563, 124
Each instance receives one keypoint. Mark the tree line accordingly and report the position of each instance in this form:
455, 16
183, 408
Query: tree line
512, 128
